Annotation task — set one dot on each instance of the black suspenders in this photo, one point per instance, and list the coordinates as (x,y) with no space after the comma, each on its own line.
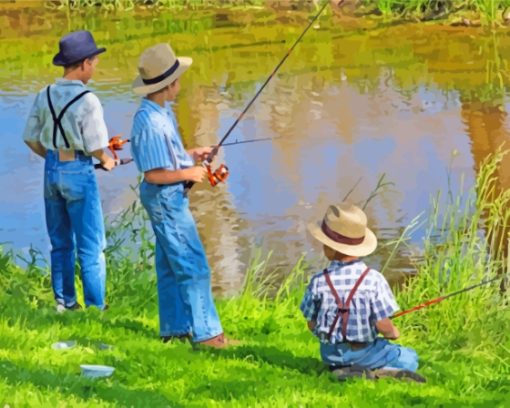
(57,120)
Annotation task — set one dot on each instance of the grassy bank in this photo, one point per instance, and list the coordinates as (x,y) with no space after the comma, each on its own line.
(463,343)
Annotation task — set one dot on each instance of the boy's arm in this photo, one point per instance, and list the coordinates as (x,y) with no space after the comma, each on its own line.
(106,161)
(164,176)
(37,148)
(387,329)
(310,305)
(94,131)
(383,305)
(33,130)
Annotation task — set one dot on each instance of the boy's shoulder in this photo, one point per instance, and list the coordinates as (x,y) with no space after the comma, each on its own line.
(347,272)
(149,117)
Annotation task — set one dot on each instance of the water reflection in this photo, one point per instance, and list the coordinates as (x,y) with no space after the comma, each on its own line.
(345,105)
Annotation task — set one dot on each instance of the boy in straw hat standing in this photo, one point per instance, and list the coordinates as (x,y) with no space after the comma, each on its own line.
(348,303)
(66,128)
(186,305)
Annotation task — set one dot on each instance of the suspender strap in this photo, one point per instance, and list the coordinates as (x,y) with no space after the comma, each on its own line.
(343,310)
(338,301)
(57,121)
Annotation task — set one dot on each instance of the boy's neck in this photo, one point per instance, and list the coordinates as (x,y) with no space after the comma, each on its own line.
(345,258)
(157,98)
(75,75)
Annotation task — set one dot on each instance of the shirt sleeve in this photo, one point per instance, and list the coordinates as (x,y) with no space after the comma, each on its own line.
(33,127)
(93,126)
(383,303)
(311,302)
(149,146)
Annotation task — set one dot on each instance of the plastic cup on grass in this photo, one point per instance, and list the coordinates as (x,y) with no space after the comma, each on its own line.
(64,345)
(96,371)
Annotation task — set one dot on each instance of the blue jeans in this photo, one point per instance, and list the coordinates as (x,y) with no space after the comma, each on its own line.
(74,218)
(381,353)
(186,304)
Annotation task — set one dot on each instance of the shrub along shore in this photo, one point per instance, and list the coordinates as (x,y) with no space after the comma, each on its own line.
(456,12)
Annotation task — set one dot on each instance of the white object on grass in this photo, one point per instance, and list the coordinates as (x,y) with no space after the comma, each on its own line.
(96,371)
(63,345)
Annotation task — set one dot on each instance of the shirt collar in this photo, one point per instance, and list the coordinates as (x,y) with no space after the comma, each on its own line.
(339,264)
(150,105)
(64,81)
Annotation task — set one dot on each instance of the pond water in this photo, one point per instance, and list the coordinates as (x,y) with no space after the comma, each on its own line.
(421,104)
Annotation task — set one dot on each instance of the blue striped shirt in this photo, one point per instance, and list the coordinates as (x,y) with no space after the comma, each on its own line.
(155,139)
(373,301)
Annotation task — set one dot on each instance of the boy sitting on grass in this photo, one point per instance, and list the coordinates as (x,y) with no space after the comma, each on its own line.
(348,304)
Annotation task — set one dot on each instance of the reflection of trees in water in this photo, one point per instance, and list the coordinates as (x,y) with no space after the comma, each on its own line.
(487,128)
(217,219)
(484,115)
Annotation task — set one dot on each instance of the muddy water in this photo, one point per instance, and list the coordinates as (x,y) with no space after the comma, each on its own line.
(412,102)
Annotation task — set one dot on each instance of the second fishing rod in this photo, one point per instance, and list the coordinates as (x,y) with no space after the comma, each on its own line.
(221,173)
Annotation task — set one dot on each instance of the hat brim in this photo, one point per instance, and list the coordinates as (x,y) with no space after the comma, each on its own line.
(140,88)
(59,61)
(365,248)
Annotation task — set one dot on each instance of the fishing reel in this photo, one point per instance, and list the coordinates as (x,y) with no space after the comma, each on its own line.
(116,143)
(218,176)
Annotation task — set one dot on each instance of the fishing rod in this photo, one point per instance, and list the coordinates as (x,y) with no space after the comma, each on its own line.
(118,162)
(221,173)
(441,298)
(264,139)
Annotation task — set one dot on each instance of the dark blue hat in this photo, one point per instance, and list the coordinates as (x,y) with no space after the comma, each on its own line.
(75,47)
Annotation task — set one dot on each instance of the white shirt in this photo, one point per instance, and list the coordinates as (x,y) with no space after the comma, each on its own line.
(83,122)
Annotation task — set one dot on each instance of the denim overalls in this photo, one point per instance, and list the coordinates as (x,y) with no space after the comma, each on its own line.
(186,303)
(74,217)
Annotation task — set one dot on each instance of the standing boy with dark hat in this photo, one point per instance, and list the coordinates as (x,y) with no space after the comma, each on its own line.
(348,304)
(186,304)
(66,127)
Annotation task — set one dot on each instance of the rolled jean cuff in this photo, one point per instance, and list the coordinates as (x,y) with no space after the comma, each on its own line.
(206,337)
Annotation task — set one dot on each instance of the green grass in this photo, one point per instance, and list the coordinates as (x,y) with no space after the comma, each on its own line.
(463,342)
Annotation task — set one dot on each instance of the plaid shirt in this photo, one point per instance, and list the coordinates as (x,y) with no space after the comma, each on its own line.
(373,301)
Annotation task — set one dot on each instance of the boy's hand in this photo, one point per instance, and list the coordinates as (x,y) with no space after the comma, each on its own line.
(387,329)
(394,335)
(195,174)
(201,153)
(109,163)
(311,324)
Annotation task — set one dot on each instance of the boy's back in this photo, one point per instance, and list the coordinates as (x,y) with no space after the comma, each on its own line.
(372,301)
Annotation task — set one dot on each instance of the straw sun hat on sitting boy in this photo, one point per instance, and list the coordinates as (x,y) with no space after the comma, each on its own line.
(158,67)
(344,229)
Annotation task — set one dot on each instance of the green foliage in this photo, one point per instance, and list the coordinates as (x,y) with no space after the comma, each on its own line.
(463,342)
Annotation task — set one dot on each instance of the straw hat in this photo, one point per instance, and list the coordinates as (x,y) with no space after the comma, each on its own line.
(158,67)
(344,229)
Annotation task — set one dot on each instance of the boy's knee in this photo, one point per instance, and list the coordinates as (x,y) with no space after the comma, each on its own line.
(408,359)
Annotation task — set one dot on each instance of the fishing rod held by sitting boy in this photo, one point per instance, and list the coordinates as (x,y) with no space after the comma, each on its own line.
(444,297)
